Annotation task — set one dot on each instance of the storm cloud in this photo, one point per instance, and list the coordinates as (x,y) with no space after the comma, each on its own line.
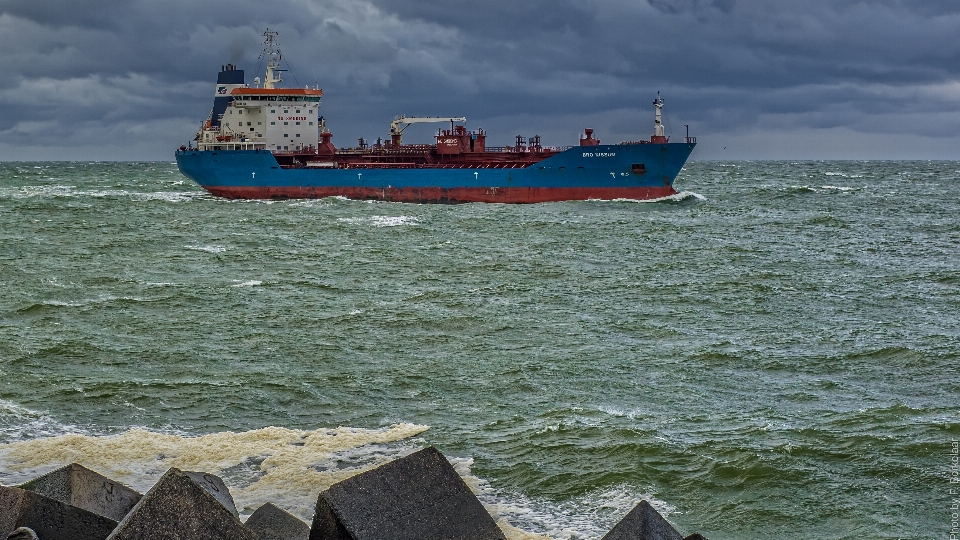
(133,79)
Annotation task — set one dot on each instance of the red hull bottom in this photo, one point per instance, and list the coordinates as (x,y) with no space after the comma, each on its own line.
(517,195)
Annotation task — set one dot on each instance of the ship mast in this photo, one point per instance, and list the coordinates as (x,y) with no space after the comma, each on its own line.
(658,122)
(273,59)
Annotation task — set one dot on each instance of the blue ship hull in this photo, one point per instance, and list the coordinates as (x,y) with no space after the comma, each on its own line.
(628,171)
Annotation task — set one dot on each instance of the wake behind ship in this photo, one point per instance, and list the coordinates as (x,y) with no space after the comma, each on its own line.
(265,142)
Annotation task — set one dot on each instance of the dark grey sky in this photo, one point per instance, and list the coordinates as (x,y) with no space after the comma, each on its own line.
(755,79)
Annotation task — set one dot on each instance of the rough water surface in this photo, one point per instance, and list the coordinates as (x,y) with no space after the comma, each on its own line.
(771,354)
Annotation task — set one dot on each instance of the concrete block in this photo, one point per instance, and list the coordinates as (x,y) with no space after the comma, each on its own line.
(418,497)
(643,523)
(23,533)
(273,523)
(180,508)
(78,486)
(215,486)
(48,518)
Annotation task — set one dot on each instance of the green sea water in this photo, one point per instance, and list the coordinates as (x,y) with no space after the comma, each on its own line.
(773,353)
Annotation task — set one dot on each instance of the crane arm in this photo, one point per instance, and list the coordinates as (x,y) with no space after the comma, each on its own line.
(396,130)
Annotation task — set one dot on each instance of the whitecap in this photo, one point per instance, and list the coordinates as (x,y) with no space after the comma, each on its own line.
(19,423)
(251,283)
(383,221)
(208,249)
(676,197)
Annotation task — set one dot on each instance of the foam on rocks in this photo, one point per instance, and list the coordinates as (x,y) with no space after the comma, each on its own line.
(50,519)
(78,486)
(645,523)
(181,507)
(273,523)
(418,497)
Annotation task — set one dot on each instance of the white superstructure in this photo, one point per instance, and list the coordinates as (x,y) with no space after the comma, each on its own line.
(267,118)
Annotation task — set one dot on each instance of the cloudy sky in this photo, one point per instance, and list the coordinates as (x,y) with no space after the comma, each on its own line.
(754,79)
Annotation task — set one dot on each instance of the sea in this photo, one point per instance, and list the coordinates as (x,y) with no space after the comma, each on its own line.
(774,352)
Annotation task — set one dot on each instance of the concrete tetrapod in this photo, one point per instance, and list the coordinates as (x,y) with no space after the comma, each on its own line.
(49,518)
(215,486)
(178,507)
(643,523)
(78,486)
(418,497)
(273,523)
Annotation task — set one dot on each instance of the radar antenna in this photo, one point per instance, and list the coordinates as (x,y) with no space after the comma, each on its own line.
(273,59)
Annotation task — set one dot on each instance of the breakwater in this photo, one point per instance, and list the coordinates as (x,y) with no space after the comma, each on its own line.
(417,497)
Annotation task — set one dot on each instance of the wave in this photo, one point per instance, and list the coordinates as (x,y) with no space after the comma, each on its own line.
(45,305)
(20,423)
(62,191)
(676,197)
(383,221)
(208,249)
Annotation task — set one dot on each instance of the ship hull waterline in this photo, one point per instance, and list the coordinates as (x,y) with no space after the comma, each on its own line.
(607,172)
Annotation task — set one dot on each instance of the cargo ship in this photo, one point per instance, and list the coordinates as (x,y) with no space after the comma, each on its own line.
(262,141)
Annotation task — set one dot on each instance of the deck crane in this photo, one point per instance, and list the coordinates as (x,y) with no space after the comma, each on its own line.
(396,132)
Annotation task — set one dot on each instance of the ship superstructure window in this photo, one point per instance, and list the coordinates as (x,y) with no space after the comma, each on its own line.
(298,134)
(273,111)
(240,111)
(286,111)
(311,123)
(273,123)
(286,123)
(298,123)
(298,111)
